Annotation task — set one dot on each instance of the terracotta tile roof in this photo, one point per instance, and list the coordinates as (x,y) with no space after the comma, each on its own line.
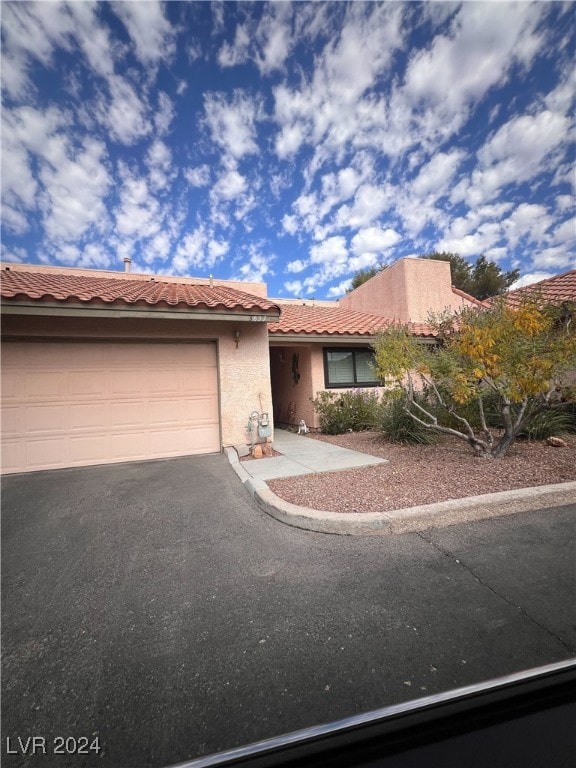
(62,287)
(553,290)
(334,321)
(469,298)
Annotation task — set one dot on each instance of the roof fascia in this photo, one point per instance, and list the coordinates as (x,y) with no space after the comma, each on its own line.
(281,339)
(79,310)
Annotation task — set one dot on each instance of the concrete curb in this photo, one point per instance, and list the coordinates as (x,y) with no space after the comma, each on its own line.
(405,520)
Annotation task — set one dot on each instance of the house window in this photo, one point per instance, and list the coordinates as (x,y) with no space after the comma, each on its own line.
(349,368)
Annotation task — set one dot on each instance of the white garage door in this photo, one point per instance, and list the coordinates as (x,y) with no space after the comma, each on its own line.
(75,404)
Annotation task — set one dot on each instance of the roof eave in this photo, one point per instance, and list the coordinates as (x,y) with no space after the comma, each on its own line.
(280,338)
(72,309)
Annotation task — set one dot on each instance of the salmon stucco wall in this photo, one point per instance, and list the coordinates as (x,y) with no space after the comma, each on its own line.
(293,402)
(407,291)
(244,372)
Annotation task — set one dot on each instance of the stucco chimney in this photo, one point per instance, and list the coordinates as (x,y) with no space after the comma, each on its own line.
(127,263)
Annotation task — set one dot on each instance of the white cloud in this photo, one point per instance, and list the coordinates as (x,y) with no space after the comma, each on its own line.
(331,251)
(369,203)
(126,116)
(33,31)
(233,54)
(159,247)
(296,266)
(95,256)
(74,191)
(199,249)
(217,249)
(434,177)
(554,258)
(374,240)
(333,108)
(530,279)
(14,255)
(229,186)
(565,203)
(274,37)
(444,81)
(164,114)
(527,220)
(564,232)
(149,30)
(138,215)
(232,123)
(295,287)
(71,180)
(336,291)
(517,152)
(257,266)
(14,220)
(475,244)
(198,176)
(290,223)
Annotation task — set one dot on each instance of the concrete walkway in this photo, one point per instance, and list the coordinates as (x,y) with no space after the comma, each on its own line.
(303,456)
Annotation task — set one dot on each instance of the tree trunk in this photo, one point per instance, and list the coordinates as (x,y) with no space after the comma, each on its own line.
(504,444)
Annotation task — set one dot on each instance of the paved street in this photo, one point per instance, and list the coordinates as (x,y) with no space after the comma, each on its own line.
(156,607)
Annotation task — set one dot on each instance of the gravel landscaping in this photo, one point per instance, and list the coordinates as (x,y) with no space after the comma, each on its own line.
(424,474)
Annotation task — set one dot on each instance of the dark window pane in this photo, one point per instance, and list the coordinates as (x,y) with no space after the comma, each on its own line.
(340,367)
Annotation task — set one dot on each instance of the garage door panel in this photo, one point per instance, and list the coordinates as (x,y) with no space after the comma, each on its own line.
(200,410)
(128,414)
(11,420)
(88,416)
(130,446)
(167,442)
(50,417)
(198,438)
(43,385)
(75,404)
(167,411)
(163,382)
(48,452)
(90,449)
(86,383)
(128,383)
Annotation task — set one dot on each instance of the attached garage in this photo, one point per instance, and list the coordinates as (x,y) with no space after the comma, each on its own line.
(70,404)
(99,370)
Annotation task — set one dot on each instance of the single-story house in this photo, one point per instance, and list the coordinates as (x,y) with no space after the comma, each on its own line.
(102,367)
(327,345)
(108,367)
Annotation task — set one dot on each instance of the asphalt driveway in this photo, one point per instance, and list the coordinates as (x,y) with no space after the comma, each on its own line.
(155,607)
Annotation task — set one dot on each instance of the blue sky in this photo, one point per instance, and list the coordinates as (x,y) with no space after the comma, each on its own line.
(290,143)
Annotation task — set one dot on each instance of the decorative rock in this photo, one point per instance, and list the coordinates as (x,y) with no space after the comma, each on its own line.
(242,450)
(257,452)
(556,442)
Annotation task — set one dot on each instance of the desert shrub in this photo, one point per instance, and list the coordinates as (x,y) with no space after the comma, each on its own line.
(347,411)
(398,426)
(555,420)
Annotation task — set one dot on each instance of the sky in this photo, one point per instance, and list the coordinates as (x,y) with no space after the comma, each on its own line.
(290,143)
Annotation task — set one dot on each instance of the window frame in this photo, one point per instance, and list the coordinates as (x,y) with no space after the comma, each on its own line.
(351,385)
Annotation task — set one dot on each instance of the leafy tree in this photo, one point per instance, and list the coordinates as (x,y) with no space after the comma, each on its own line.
(512,358)
(489,280)
(482,279)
